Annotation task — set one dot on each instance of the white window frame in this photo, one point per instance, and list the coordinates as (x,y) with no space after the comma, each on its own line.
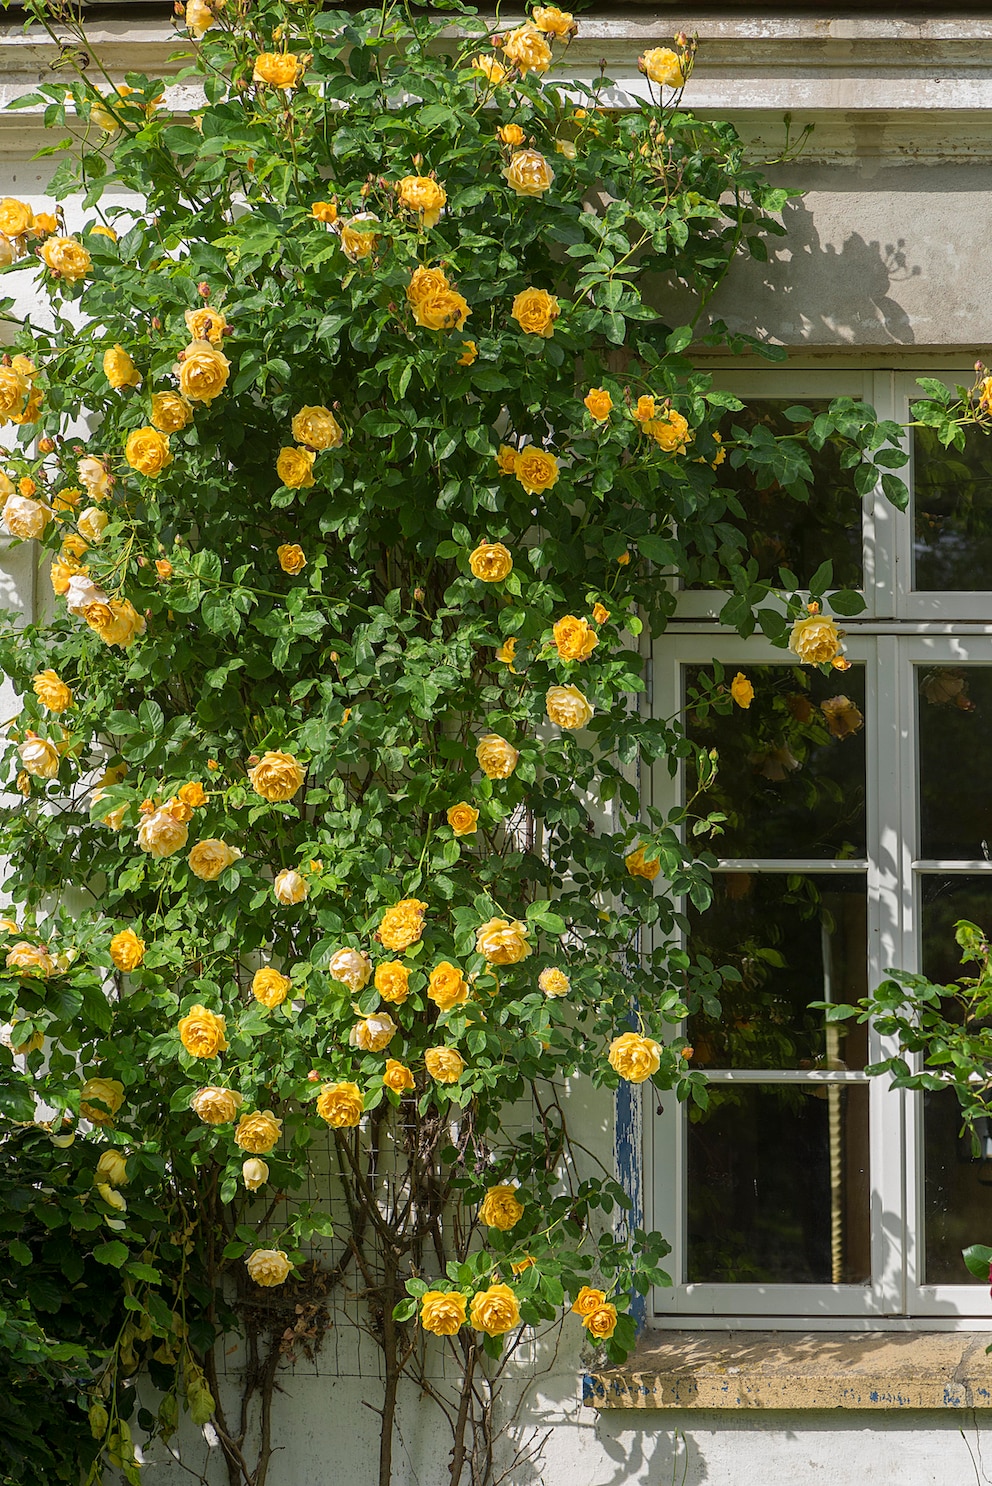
(899,632)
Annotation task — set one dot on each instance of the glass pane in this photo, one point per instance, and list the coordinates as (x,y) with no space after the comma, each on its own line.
(945,900)
(778,531)
(957,1190)
(791,778)
(952,512)
(794,940)
(955,729)
(778,1186)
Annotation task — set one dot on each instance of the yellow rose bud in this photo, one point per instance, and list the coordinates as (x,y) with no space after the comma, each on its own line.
(109,1096)
(599,402)
(442,1312)
(462,818)
(341,1105)
(402,925)
(495,1311)
(397,1077)
(112,1169)
(535,311)
(497,758)
(126,950)
(528,173)
(269,987)
(269,1267)
(201,1032)
(277,776)
(258,1132)
(421,194)
(554,982)
(634,1057)
(66,258)
(444,1064)
(210,858)
(290,888)
(324,211)
(254,1173)
(501,1208)
(52,693)
(392,981)
(295,468)
(147,451)
(277,69)
(170,412)
(536,469)
(203,372)
(600,614)
(574,639)
(663,67)
(568,708)
(318,428)
(527,49)
(216,1106)
(447,986)
(491,562)
(502,941)
(352,967)
(119,369)
(742,691)
(373,1033)
(511,134)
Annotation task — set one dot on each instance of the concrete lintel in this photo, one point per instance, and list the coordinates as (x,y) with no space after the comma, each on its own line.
(798,1370)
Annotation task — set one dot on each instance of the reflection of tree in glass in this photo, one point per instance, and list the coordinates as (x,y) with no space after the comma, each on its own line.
(952,512)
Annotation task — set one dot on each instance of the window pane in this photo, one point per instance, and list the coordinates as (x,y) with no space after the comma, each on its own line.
(778,531)
(945,900)
(955,731)
(778,1186)
(794,939)
(791,775)
(952,512)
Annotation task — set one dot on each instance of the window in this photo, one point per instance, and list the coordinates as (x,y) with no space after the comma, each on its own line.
(858,829)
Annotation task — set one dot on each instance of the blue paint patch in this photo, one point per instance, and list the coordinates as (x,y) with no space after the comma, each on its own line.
(628,1152)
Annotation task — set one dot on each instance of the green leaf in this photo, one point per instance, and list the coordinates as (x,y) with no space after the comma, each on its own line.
(978,1258)
(113,1253)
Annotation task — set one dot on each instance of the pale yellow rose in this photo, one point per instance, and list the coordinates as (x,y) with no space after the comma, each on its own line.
(258,1132)
(535,311)
(277,776)
(528,173)
(254,1173)
(419,193)
(93,474)
(462,818)
(497,758)
(30,958)
(575,639)
(198,17)
(109,1092)
(494,71)
(170,412)
(495,1311)
(352,967)
(536,469)
(447,986)
(442,1312)
(392,981)
(357,239)
(66,258)
(402,924)
(92,524)
(269,1267)
(640,866)
(269,987)
(373,1033)
(16,217)
(554,22)
(25,518)
(210,858)
(816,639)
(491,562)
(444,1064)
(425,283)
(119,369)
(527,49)
(113,1199)
(599,402)
(292,559)
(161,834)
(318,428)
(215,1106)
(554,982)
(147,451)
(663,67)
(52,693)
(203,372)
(634,1057)
(502,941)
(39,757)
(341,1105)
(289,887)
(277,69)
(202,1032)
(445,310)
(501,1208)
(126,950)
(295,468)
(111,1168)
(398,1077)
(568,708)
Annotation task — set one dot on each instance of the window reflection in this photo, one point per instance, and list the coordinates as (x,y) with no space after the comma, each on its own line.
(952,512)
(955,733)
(778,1186)
(791,778)
(792,939)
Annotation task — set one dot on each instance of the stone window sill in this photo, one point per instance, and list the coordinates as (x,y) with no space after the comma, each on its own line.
(798,1370)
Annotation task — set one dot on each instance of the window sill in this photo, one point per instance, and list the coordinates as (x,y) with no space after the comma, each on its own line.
(800,1370)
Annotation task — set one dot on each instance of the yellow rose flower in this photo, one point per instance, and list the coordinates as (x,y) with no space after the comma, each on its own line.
(493,70)
(25,518)
(501,1208)
(52,693)
(269,1267)
(201,1032)
(258,1132)
(511,134)
(470,353)
(491,562)
(161,834)
(14,390)
(147,451)
(277,69)
(392,981)
(192,794)
(93,474)
(210,858)
(324,211)
(535,311)
(600,613)
(445,310)
(203,372)
(206,324)
(66,258)
(110,1094)
(495,1311)
(637,866)
(277,776)
(502,941)
(198,17)
(290,888)
(318,428)
(554,982)
(419,193)
(402,925)
(816,639)
(295,468)
(575,639)
(31,959)
(497,758)
(269,987)
(111,1168)
(117,622)
(398,1077)
(357,240)
(425,283)
(215,1106)
(670,431)
(254,1173)
(126,950)
(741,690)
(588,1300)
(602,1322)
(507,653)
(99,230)
(634,1057)
(39,757)
(662,66)
(506,459)
(462,818)
(528,173)
(119,369)
(352,967)
(65,500)
(442,1311)
(554,22)
(645,409)
(341,1105)
(92,524)
(291,558)
(447,986)
(568,708)
(373,1033)
(527,49)
(536,469)
(16,217)
(842,717)
(599,402)
(444,1064)
(170,412)
(113,1199)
